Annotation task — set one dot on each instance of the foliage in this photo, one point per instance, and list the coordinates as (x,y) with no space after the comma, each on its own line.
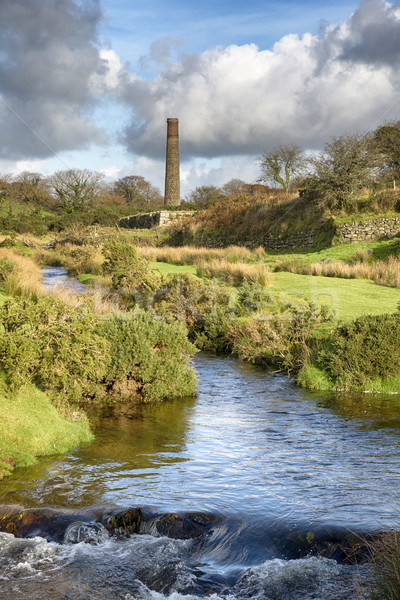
(387,143)
(246,219)
(206,307)
(137,191)
(150,358)
(75,188)
(253,297)
(342,171)
(205,196)
(280,339)
(53,346)
(74,355)
(363,350)
(281,165)
(129,271)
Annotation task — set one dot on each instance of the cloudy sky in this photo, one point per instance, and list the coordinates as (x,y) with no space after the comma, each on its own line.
(90,83)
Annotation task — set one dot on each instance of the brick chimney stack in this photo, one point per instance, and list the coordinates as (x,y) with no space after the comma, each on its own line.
(172,196)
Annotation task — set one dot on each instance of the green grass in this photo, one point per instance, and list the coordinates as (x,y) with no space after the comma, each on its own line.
(87,278)
(347,298)
(367,215)
(169,268)
(381,249)
(315,378)
(30,426)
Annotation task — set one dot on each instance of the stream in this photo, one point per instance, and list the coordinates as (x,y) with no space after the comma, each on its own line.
(269,466)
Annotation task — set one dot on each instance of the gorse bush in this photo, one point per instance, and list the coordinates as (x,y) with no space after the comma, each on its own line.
(53,346)
(150,358)
(280,339)
(129,272)
(206,308)
(75,356)
(363,350)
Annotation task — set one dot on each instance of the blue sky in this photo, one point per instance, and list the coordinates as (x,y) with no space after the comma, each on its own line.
(93,87)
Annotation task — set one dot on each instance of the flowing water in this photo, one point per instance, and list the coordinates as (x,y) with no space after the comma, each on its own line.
(270,466)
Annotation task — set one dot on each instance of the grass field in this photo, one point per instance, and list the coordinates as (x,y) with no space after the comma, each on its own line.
(170,268)
(347,298)
(381,249)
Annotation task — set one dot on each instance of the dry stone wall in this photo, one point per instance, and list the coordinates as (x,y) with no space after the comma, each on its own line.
(153,219)
(331,235)
(364,231)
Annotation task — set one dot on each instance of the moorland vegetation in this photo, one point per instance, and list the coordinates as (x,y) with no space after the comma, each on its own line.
(156,297)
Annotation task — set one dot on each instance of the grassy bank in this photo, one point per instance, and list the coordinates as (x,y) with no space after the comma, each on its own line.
(31,427)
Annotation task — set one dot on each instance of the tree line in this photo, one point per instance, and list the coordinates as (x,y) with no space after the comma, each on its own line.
(349,164)
(76,189)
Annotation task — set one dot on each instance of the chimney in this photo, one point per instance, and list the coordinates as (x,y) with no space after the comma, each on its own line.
(172,196)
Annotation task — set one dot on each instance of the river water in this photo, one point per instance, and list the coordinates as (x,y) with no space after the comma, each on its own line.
(268,464)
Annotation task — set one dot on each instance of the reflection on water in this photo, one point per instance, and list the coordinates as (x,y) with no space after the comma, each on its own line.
(58,278)
(272,461)
(251,444)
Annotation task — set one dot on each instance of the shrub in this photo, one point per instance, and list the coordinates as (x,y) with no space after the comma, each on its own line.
(75,356)
(128,270)
(53,346)
(253,297)
(279,339)
(204,306)
(363,350)
(149,358)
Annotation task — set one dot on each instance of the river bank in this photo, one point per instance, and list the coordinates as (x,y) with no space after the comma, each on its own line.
(273,471)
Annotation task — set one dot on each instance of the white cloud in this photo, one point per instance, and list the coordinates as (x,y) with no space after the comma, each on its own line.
(109,80)
(240,100)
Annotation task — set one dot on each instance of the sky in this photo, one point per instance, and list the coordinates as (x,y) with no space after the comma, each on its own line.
(90,83)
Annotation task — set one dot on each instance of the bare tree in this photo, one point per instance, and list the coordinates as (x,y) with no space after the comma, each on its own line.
(281,164)
(205,195)
(75,188)
(137,191)
(234,186)
(31,187)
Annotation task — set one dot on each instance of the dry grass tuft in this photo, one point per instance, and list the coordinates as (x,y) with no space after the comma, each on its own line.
(383,272)
(20,275)
(234,273)
(190,255)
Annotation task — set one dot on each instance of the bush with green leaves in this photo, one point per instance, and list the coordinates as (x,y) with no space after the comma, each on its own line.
(53,346)
(206,307)
(363,350)
(150,359)
(129,271)
(280,339)
(74,355)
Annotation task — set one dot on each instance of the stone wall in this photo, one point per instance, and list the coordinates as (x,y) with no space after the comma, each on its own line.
(291,241)
(331,235)
(364,231)
(153,219)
